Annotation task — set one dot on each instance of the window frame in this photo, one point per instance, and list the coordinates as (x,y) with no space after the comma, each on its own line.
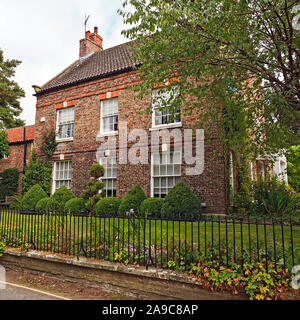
(155,107)
(54,178)
(102,132)
(58,138)
(174,176)
(113,178)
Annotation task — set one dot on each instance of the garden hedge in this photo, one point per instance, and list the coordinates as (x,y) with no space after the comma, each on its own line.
(32,197)
(75,205)
(153,206)
(108,206)
(42,204)
(181,201)
(59,198)
(132,200)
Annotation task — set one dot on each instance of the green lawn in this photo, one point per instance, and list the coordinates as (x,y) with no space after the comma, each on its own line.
(104,237)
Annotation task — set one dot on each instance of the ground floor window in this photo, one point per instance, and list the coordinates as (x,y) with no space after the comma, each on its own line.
(62,174)
(110,175)
(165,172)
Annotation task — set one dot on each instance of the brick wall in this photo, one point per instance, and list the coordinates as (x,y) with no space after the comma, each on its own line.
(210,186)
(16,158)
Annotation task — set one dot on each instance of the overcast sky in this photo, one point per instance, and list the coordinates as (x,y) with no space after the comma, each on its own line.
(45,36)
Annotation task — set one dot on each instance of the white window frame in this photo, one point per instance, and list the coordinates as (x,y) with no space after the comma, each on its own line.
(55,179)
(156,106)
(111,177)
(102,131)
(166,175)
(58,138)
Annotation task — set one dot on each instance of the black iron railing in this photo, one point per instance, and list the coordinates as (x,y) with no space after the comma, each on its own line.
(153,240)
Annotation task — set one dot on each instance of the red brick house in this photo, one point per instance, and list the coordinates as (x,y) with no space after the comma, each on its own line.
(20,146)
(88,101)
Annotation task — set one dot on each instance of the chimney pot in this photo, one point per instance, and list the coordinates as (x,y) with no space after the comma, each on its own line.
(91,42)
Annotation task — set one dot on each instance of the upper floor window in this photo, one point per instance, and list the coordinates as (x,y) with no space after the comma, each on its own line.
(109,116)
(161,115)
(65,123)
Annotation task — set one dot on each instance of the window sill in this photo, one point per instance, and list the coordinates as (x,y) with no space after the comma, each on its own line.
(64,140)
(166,126)
(107,134)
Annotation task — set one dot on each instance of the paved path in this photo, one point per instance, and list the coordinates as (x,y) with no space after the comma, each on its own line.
(12,291)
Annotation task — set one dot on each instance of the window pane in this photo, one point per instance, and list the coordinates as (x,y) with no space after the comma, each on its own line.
(164,172)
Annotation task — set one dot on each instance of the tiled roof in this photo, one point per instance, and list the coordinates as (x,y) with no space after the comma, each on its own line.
(100,64)
(17,134)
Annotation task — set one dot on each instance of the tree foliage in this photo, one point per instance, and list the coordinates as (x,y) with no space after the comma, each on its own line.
(9,182)
(237,66)
(37,172)
(4,144)
(293,167)
(10,93)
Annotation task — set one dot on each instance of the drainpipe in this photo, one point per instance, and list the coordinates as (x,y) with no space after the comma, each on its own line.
(25,149)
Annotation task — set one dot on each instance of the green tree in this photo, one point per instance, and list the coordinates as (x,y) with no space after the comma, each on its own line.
(37,172)
(293,167)
(9,182)
(10,93)
(237,64)
(4,144)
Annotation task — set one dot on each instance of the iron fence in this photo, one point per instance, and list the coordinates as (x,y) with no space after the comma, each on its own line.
(154,240)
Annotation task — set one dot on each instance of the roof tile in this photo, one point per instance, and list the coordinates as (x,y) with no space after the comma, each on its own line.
(17,134)
(99,64)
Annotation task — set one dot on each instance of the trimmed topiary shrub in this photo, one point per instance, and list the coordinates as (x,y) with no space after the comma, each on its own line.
(59,198)
(108,206)
(92,192)
(75,205)
(153,206)
(42,204)
(32,196)
(132,200)
(181,201)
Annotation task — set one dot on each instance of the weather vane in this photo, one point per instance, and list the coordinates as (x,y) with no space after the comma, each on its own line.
(85,22)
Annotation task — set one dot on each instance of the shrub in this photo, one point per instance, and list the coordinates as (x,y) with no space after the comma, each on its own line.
(59,198)
(273,198)
(152,205)
(75,205)
(9,182)
(92,192)
(37,172)
(132,200)
(32,196)
(16,201)
(42,204)
(108,206)
(181,201)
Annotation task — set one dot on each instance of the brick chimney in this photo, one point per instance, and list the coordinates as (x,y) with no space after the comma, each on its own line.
(91,42)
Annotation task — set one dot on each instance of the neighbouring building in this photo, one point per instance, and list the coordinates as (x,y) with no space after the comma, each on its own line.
(20,146)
